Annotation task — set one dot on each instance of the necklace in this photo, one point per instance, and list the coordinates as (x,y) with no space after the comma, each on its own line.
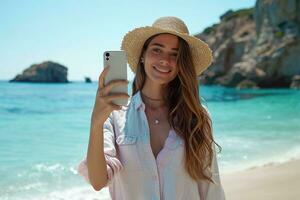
(152,98)
(156,118)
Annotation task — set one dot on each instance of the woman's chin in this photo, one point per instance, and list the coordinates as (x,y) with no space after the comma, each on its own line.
(160,80)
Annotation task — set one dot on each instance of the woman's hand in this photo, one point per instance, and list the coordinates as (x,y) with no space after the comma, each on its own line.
(103,104)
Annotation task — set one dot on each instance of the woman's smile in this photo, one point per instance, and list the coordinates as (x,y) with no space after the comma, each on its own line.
(162,70)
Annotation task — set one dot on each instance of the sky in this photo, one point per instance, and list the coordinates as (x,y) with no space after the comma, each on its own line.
(76,33)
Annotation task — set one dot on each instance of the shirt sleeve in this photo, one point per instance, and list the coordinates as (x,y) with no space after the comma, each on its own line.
(211,191)
(113,164)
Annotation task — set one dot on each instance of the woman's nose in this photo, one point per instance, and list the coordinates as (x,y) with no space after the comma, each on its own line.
(165,60)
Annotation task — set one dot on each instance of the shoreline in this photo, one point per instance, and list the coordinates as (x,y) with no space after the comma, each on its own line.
(272,181)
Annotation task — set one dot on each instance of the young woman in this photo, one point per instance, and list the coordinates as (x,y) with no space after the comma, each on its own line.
(161,145)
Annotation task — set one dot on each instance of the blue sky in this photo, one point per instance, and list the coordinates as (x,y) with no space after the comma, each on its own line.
(76,33)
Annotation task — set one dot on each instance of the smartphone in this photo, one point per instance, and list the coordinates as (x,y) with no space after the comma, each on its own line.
(117,62)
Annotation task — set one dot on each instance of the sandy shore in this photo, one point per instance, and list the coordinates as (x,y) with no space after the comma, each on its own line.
(271,182)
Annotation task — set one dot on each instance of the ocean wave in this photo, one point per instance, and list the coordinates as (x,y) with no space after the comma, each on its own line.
(287,156)
(20,110)
(49,168)
(42,171)
(78,193)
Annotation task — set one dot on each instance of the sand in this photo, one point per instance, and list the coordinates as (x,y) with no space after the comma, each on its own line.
(271,182)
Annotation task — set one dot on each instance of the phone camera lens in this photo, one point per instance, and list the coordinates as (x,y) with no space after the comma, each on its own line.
(107,58)
(107,54)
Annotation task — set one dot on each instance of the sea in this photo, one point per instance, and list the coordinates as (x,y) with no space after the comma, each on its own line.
(44,132)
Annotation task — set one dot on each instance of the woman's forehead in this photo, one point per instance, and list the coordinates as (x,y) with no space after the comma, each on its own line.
(165,40)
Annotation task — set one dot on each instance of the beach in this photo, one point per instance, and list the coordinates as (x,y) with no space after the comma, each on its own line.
(244,56)
(269,182)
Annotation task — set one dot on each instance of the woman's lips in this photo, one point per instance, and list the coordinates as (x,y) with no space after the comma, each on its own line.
(161,70)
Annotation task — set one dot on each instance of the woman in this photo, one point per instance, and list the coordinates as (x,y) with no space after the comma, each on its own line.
(161,145)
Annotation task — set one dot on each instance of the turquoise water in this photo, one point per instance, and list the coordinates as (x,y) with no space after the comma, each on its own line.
(44,130)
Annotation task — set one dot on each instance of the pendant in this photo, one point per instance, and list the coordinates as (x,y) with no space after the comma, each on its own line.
(156,121)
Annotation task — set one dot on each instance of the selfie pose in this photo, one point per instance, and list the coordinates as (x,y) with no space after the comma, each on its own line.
(160,146)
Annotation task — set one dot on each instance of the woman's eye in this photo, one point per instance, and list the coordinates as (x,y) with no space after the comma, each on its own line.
(174,56)
(156,50)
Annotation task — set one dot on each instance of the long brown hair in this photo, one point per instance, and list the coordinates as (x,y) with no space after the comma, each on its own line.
(186,115)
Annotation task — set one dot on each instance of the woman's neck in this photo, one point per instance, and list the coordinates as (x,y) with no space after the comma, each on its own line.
(153,95)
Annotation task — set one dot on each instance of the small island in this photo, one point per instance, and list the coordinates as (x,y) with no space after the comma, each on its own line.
(87,79)
(46,72)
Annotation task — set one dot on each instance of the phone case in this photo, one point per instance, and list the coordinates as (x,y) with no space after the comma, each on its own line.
(118,71)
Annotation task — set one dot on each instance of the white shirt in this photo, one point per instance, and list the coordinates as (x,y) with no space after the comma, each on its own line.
(133,171)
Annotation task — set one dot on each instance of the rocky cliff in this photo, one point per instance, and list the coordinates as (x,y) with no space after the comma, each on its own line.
(47,72)
(257,47)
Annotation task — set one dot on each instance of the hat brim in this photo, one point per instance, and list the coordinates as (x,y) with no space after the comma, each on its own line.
(134,40)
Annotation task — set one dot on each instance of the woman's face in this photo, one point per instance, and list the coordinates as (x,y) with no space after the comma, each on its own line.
(160,59)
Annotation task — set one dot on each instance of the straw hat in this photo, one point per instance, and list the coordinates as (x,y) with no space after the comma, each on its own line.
(134,40)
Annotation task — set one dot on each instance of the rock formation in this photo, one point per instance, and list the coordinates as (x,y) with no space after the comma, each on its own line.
(46,72)
(255,47)
(87,79)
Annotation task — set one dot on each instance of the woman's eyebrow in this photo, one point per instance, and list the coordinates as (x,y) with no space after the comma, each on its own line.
(161,45)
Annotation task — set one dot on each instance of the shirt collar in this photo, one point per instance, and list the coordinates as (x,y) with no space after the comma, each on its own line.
(137,101)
